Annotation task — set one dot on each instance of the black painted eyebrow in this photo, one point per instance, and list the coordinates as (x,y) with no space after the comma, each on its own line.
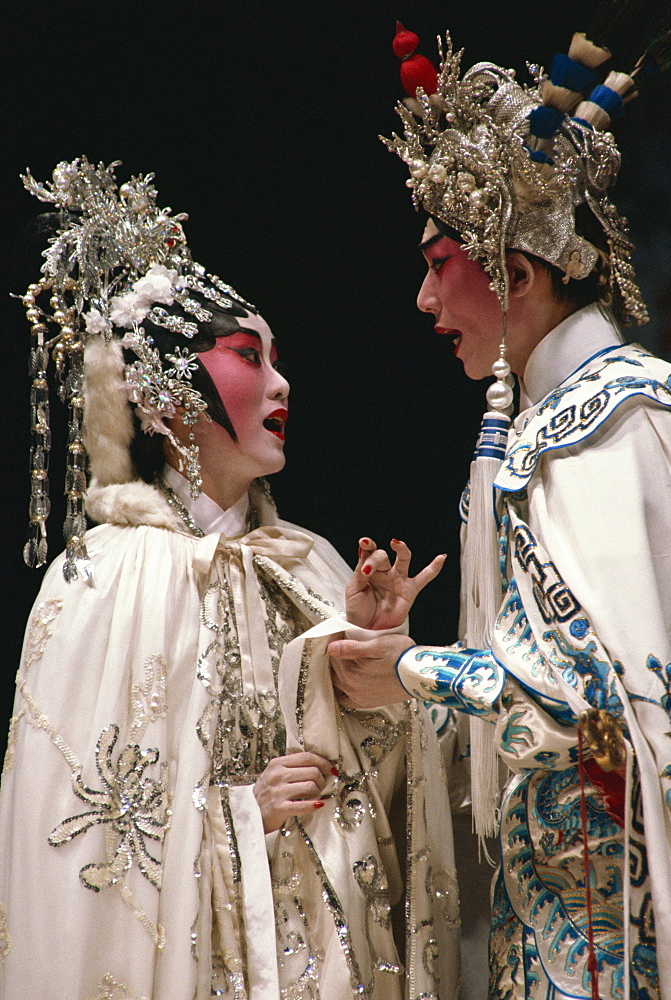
(431,240)
(254,333)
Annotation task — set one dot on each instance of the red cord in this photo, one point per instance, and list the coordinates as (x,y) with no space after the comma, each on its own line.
(592,966)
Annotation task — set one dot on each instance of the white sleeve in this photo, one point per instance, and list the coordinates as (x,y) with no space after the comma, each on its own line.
(602,510)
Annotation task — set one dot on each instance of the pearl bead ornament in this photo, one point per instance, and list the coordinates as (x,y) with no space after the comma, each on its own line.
(500,393)
(437,173)
(499,396)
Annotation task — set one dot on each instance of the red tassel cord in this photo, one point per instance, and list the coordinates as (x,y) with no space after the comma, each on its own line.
(592,966)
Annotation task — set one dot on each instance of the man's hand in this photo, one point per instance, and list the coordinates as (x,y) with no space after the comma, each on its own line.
(291,786)
(380,595)
(364,673)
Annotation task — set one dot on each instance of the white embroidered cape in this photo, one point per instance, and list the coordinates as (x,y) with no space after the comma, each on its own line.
(133,862)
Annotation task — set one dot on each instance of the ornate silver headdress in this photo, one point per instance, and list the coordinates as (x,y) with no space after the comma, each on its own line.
(116,261)
(506,165)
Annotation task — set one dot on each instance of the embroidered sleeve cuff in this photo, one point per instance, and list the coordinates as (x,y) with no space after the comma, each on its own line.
(468,680)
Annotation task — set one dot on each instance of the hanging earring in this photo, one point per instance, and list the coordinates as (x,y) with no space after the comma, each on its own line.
(500,393)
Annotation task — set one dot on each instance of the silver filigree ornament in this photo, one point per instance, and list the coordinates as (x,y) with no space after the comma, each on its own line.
(470,155)
(116,260)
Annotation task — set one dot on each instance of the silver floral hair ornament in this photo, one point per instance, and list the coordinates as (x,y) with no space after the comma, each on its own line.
(116,261)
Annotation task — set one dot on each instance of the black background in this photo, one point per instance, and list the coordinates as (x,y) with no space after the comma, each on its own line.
(260,120)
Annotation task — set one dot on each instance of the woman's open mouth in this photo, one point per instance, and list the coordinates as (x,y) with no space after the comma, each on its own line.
(455,334)
(275,422)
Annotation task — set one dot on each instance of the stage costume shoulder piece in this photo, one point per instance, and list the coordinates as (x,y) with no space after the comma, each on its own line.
(583,507)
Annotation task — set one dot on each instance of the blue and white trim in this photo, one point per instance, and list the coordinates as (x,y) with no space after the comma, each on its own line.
(468,680)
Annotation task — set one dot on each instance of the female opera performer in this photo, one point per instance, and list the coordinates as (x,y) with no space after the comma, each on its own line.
(185,811)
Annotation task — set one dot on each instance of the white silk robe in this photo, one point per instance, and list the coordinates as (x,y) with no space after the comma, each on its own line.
(133,863)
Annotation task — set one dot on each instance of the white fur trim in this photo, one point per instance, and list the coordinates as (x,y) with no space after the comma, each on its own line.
(131,504)
(108,420)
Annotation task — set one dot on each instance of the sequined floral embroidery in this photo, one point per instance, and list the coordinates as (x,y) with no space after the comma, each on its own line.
(384,738)
(5,939)
(10,753)
(39,630)
(442,887)
(110,989)
(134,806)
(372,881)
(299,962)
(148,701)
(242,732)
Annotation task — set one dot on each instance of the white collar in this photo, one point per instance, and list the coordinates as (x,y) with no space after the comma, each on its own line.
(564,350)
(207,514)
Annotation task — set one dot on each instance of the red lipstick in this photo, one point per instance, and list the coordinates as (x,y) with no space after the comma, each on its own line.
(275,422)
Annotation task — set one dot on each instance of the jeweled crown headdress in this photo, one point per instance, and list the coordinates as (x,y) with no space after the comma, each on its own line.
(116,261)
(507,165)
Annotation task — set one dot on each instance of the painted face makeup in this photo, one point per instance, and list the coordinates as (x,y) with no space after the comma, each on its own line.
(456,290)
(254,393)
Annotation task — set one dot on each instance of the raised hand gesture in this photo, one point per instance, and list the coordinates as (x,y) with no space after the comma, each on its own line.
(379,594)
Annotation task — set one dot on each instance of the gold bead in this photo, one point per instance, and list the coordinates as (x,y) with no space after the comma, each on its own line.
(58,316)
(33,315)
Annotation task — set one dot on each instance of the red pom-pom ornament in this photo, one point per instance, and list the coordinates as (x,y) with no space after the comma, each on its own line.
(416,70)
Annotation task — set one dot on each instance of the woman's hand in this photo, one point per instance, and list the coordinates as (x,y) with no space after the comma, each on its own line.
(291,786)
(380,595)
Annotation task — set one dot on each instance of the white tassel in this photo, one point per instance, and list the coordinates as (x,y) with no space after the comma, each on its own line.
(485,787)
(483,594)
(482,586)
(481,558)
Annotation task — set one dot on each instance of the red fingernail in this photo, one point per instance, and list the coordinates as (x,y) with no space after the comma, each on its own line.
(395,541)
(367,570)
(318,805)
(335,772)
(366,541)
